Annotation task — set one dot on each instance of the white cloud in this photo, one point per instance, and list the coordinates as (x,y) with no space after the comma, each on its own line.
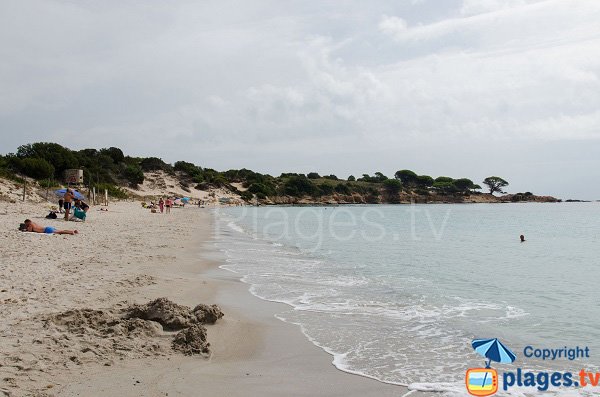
(393,26)
(474,7)
(277,85)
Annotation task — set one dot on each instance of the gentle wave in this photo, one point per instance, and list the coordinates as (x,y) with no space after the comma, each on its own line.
(375,320)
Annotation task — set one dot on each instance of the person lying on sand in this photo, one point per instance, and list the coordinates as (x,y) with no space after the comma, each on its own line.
(29,226)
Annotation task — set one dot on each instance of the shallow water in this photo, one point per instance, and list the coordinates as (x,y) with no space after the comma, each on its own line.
(398,292)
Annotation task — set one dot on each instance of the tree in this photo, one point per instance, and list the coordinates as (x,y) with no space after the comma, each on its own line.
(351,178)
(190,169)
(444,187)
(58,156)
(392,186)
(153,164)
(37,168)
(299,186)
(443,179)
(407,177)
(495,184)
(424,181)
(313,175)
(380,177)
(114,153)
(463,184)
(134,175)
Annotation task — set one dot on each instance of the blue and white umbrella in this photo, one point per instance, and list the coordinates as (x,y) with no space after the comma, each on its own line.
(493,350)
(76,194)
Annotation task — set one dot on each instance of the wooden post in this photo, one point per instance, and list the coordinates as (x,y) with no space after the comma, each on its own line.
(94,195)
(106,197)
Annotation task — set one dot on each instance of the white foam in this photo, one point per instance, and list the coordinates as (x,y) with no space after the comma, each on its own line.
(232,225)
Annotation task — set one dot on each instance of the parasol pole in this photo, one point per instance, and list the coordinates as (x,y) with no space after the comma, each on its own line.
(487,365)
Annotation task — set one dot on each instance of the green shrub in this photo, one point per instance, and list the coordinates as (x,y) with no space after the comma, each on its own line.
(154,164)
(246,196)
(190,169)
(134,175)
(298,186)
(113,191)
(49,183)
(60,157)
(114,153)
(343,188)
(36,168)
(326,189)
(265,190)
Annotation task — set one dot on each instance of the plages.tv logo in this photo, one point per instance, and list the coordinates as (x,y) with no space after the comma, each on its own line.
(484,381)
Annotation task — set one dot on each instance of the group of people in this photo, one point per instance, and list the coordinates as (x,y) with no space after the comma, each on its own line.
(162,205)
(67,203)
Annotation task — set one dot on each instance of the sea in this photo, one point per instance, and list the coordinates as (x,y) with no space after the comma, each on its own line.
(398,292)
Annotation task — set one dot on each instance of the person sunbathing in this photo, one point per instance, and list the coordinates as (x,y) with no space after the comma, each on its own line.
(33,227)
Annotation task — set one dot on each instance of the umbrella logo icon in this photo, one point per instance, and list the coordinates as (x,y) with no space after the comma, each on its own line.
(484,381)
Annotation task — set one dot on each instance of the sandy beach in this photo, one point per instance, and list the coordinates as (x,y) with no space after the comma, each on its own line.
(129,256)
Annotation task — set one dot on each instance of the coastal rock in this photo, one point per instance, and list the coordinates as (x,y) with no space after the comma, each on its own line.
(206,314)
(192,340)
(170,315)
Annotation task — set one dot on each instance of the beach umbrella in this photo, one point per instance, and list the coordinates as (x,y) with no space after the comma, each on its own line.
(493,350)
(61,192)
(185,199)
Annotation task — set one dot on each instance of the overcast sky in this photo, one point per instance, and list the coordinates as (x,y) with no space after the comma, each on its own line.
(462,88)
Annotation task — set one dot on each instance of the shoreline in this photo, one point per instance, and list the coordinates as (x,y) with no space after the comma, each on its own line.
(253,352)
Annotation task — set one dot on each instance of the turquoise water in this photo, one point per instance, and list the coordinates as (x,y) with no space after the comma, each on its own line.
(398,292)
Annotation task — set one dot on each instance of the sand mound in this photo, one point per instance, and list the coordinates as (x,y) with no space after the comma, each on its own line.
(101,323)
(85,335)
(170,315)
(206,314)
(174,317)
(192,340)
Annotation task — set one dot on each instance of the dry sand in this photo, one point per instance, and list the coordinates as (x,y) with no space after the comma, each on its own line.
(125,256)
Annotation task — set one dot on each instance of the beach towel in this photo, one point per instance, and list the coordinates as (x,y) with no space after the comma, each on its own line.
(79,214)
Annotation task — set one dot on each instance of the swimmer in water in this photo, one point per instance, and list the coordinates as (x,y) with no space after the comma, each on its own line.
(522,238)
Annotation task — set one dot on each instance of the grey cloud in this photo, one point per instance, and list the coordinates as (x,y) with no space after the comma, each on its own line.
(363,87)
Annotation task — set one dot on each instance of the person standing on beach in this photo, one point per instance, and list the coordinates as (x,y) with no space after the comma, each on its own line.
(68,198)
(168,204)
(161,205)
